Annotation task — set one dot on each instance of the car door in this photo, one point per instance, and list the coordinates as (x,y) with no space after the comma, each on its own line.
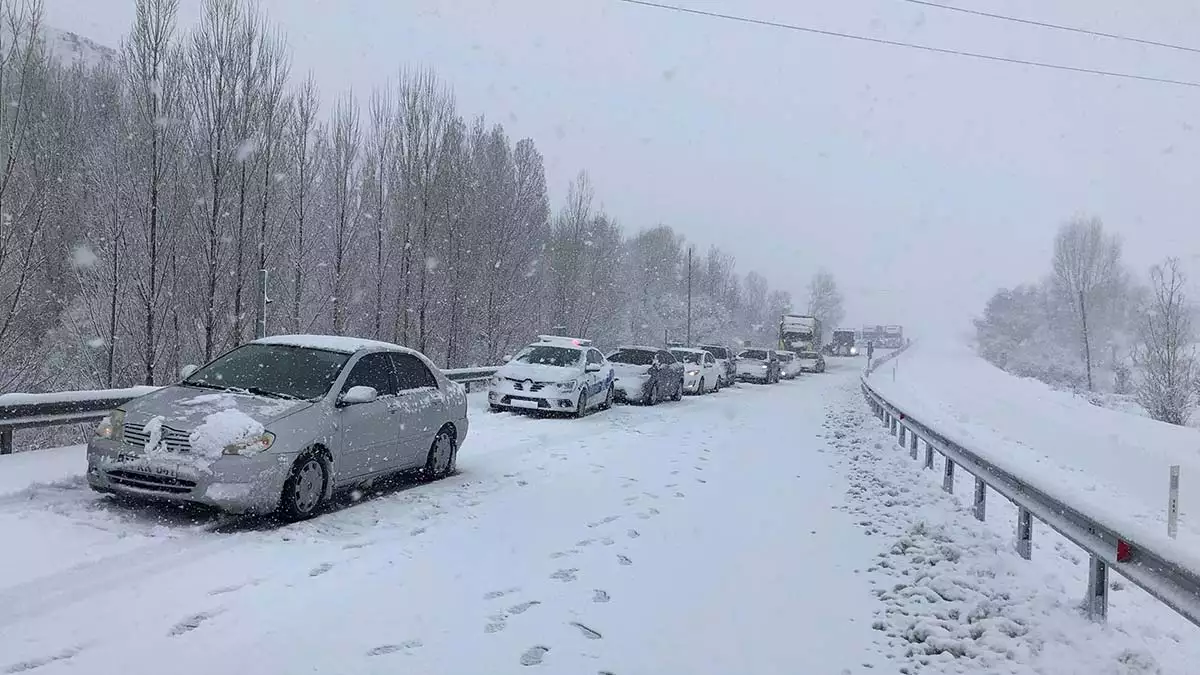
(369,431)
(710,370)
(423,408)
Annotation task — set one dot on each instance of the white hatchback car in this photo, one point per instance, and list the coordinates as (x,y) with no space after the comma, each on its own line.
(554,374)
(789,364)
(701,372)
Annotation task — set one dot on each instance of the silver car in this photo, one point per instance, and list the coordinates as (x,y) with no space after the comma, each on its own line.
(278,424)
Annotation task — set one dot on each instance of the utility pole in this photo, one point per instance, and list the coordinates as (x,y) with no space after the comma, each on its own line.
(689,298)
(263,301)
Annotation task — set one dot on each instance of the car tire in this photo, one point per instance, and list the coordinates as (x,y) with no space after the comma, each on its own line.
(608,398)
(580,406)
(678,395)
(443,455)
(305,489)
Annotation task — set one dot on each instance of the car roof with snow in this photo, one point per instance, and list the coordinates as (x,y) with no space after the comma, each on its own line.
(331,343)
(643,348)
(562,341)
(688,350)
(784,351)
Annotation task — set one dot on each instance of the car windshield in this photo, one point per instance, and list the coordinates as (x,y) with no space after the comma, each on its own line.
(278,371)
(808,355)
(686,357)
(717,352)
(545,355)
(785,357)
(633,357)
(756,354)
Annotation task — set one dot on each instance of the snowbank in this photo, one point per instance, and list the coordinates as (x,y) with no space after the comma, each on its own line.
(1112,465)
(221,429)
(15,399)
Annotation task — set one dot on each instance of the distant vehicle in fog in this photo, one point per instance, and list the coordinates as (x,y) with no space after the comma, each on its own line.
(758,365)
(843,343)
(700,371)
(811,362)
(725,359)
(789,367)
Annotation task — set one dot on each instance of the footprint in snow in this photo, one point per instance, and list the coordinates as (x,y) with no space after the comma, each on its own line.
(492,595)
(587,632)
(320,569)
(624,560)
(565,575)
(585,542)
(633,534)
(600,596)
(607,541)
(603,521)
(392,649)
(191,623)
(534,655)
(523,607)
(495,627)
(31,664)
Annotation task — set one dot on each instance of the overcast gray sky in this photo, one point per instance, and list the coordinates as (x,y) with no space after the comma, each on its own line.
(922,181)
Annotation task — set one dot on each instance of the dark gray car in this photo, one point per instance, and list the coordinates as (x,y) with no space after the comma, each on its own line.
(646,375)
(279,423)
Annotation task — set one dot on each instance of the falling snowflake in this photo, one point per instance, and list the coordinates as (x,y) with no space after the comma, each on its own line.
(246,149)
(83,257)
(96,343)
(431,263)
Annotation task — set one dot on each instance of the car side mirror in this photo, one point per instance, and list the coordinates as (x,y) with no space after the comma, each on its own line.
(186,371)
(507,357)
(592,368)
(357,395)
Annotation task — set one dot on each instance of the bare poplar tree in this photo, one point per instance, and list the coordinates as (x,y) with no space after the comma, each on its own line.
(274,66)
(306,154)
(1166,351)
(1087,272)
(345,143)
(825,302)
(382,156)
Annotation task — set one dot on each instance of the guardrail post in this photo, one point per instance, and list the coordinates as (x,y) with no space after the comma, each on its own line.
(5,441)
(1096,602)
(928,456)
(980,499)
(1173,502)
(913,450)
(903,437)
(1024,532)
(948,476)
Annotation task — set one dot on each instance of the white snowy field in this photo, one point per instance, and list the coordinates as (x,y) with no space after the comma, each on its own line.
(759,530)
(1113,465)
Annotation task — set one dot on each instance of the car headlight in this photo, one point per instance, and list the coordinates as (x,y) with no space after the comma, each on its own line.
(566,386)
(251,446)
(763,366)
(693,373)
(112,427)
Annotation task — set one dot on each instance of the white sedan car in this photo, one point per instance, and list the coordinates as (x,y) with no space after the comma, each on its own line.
(701,372)
(554,374)
(789,364)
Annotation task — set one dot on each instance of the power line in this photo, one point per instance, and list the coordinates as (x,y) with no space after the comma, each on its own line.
(910,45)
(1055,26)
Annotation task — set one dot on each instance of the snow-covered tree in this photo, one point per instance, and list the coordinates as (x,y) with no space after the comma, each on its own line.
(1166,352)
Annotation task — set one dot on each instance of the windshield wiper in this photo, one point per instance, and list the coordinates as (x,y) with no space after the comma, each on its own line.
(204,385)
(257,391)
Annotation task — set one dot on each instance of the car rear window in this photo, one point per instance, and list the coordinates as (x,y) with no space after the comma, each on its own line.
(718,352)
(756,354)
(686,357)
(549,356)
(633,357)
(808,355)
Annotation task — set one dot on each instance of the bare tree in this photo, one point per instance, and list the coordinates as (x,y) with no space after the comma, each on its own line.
(1087,273)
(274,66)
(381,155)
(155,97)
(1166,352)
(346,141)
(825,302)
(307,157)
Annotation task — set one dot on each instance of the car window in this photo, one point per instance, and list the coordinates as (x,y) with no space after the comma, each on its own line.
(273,370)
(666,357)
(718,352)
(633,357)
(373,370)
(594,356)
(411,372)
(549,356)
(708,358)
(756,354)
(687,357)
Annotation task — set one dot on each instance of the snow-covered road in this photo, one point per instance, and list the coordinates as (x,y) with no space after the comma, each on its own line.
(760,530)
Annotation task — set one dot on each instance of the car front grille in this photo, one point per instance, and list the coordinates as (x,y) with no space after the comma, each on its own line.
(176,440)
(150,481)
(526,385)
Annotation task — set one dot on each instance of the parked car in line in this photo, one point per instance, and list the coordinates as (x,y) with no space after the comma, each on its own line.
(554,374)
(758,365)
(701,374)
(789,366)
(279,423)
(811,362)
(724,357)
(646,375)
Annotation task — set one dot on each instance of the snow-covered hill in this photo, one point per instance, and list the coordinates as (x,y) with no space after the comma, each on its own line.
(70,48)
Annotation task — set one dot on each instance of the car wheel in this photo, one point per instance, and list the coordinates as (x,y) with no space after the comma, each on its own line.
(442,456)
(304,490)
(608,398)
(678,395)
(581,405)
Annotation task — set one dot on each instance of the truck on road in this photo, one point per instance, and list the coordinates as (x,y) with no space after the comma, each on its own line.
(843,343)
(799,333)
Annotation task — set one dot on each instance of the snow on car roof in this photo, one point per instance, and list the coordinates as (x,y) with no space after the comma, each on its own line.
(691,350)
(641,347)
(563,341)
(332,343)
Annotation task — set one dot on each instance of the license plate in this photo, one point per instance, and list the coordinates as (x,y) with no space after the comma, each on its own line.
(517,403)
(155,470)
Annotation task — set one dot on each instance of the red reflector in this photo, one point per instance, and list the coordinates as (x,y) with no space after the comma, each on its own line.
(1124,551)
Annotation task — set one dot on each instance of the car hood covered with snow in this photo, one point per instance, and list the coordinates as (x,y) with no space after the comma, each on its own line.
(539,372)
(187,408)
(629,370)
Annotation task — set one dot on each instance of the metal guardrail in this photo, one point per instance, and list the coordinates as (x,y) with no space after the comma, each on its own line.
(1169,582)
(27,411)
